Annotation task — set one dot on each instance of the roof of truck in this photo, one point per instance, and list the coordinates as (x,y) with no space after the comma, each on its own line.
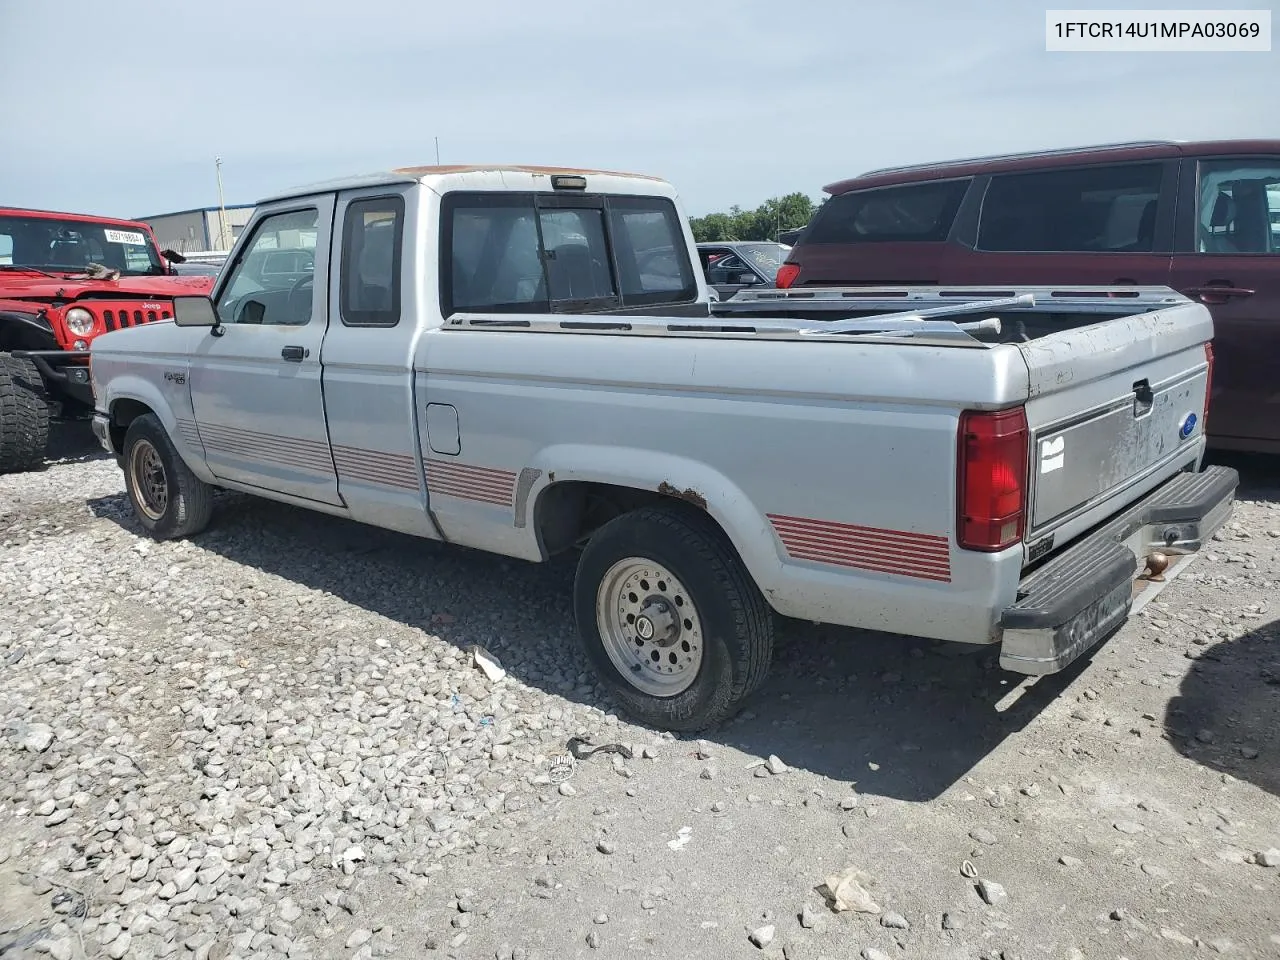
(1042,159)
(476,176)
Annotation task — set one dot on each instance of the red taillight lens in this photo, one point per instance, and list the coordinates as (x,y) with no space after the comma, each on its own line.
(991,478)
(1208,385)
(788,273)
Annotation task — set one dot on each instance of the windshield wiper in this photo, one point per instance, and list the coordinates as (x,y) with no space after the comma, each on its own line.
(15,267)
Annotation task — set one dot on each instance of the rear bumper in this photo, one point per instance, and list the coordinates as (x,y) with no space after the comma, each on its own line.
(1082,595)
(65,372)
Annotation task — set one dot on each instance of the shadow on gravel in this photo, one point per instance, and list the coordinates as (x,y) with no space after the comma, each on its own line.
(1259,473)
(837,700)
(72,441)
(1227,713)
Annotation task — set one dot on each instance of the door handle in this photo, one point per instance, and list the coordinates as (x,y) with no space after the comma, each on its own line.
(1218,293)
(296,354)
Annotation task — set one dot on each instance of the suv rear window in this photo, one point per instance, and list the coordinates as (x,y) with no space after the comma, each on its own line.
(1110,208)
(918,211)
(540,253)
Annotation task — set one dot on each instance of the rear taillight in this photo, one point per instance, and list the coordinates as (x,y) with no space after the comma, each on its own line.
(991,478)
(788,273)
(1208,385)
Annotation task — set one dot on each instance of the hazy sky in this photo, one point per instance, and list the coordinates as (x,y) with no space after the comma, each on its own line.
(120,108)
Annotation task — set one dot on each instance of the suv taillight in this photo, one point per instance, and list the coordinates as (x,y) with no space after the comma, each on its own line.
(788,273)
(1208,385)
(991,478)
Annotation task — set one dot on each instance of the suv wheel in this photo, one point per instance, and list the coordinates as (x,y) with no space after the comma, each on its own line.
(671,619)
(24,416)
(168,499)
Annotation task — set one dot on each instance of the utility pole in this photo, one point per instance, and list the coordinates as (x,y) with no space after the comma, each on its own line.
(222,208)
(437,151)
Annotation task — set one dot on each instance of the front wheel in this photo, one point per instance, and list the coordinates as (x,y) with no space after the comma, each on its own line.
(671,619)
(168,499)
(24,416)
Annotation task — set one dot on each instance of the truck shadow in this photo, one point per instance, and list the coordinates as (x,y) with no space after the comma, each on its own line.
(72,441)
(837,700)
(1226,715)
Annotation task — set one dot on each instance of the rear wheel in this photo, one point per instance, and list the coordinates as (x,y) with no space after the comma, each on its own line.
(168,499)
(671,619)
(24,416)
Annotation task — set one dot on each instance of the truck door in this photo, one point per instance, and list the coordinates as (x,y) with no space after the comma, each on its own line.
(368,358)
(256,389)
(1231,262)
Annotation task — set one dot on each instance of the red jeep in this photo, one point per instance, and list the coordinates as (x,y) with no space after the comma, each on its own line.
(64,279)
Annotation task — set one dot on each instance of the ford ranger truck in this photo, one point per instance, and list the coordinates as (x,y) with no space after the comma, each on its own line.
(64,280)
(522,360)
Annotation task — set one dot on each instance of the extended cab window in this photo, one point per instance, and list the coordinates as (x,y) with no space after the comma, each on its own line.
(372,238)
(1239,210)
(918,211)
(534,253)
(1087,209)
(272,279)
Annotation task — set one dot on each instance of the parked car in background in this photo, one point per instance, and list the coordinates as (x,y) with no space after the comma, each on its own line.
(65,278)
(734,265)
(1200,217)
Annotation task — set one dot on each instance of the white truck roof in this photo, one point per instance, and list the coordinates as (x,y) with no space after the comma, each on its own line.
(495,176)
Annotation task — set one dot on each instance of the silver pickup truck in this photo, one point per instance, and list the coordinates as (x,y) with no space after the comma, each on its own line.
(523,360)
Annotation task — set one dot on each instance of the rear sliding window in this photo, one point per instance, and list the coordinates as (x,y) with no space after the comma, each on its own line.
(539,253)
(1104,208)
(919,212)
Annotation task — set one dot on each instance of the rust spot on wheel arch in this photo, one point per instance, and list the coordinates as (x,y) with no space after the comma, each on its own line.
(688,494)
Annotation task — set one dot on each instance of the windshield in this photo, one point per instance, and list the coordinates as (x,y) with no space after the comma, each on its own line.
(765,257)
(69,246)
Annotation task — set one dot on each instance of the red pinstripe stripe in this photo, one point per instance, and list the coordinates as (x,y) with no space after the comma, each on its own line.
(482,484)
(373,466)
(898,552)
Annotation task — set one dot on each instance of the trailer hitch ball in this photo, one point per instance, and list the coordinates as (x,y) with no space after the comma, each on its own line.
(1157,563)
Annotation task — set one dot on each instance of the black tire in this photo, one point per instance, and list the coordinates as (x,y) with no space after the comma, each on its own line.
(24,416)
(737,624)
(187,502)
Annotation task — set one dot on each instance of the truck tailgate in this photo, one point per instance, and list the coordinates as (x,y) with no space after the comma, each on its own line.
(1114,408)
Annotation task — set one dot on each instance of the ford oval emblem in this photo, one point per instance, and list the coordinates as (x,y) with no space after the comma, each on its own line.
(1188,426)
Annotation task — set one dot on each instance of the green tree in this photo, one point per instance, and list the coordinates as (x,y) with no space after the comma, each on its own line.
(763,223)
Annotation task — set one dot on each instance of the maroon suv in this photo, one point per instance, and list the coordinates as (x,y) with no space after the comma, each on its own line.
(1202,218)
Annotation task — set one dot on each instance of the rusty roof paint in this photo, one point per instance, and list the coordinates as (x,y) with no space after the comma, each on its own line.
(512,168)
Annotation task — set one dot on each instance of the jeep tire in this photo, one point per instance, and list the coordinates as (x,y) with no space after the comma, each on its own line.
(671,619)
(24,416)
(168,499)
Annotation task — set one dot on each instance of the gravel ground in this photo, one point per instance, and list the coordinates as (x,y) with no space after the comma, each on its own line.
(273,741)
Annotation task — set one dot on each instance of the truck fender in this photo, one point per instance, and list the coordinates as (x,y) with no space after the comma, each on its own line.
(674,476)
(131,387)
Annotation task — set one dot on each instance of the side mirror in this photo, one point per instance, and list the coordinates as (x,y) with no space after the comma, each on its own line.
(173,256)
(746,278)
(195,312)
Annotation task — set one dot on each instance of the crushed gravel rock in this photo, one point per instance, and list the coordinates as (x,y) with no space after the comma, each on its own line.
(274,741)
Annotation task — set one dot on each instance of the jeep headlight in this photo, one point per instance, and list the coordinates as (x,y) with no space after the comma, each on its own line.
(79,321)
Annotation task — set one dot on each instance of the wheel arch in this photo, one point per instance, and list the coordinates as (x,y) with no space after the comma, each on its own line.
(590,486)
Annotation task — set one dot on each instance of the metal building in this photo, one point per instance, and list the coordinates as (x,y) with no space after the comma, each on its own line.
(201,229)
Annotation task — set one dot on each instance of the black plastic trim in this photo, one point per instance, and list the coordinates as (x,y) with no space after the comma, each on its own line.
(1096,565)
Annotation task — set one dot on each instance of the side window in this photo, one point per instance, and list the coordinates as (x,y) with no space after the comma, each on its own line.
(273,277)
(1239,208)
(918,211)
(653,263)
(372,240)
(722,269)
(1087,209)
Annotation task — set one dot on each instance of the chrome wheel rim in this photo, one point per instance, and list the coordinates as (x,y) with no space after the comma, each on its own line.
(147,477)
(649,626)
